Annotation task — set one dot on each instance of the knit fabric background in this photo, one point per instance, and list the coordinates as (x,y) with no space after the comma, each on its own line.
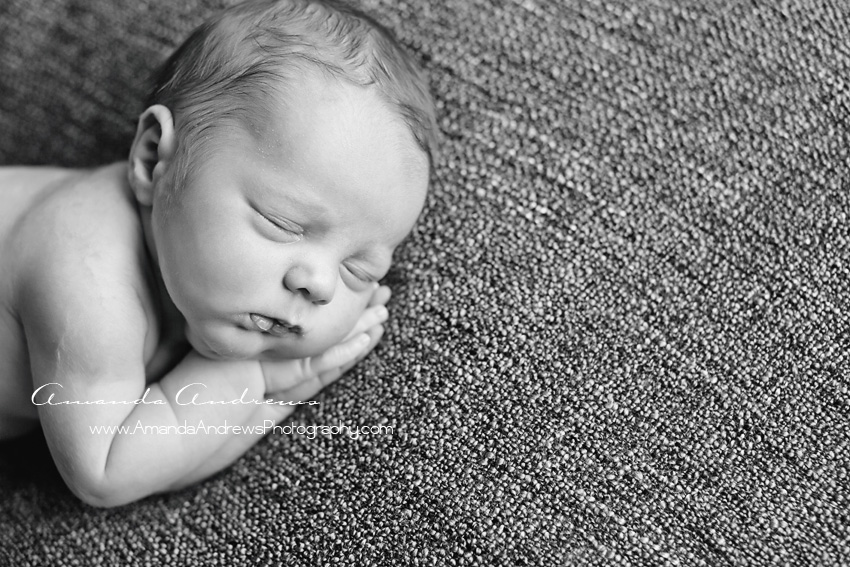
(619,335)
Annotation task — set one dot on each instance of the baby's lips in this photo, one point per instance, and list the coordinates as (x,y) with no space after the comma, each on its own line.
(264,323)
(275,327)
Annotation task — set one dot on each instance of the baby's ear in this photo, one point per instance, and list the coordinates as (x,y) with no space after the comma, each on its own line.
(153,149)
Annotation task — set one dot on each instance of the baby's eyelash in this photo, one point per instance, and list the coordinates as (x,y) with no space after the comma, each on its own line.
(360,275)
(282,225)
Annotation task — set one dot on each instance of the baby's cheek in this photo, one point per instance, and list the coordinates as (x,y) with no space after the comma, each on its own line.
(336,320)
(355,306)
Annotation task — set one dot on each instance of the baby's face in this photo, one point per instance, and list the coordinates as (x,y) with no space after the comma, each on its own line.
(273,248)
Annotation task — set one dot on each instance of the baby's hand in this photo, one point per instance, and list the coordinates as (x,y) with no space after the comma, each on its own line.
(303,378)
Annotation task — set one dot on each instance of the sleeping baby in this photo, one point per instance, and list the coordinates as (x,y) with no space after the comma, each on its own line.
(229,269)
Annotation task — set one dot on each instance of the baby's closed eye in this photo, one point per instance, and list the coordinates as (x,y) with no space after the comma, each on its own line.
(360,273)
(356,277)
(280,229)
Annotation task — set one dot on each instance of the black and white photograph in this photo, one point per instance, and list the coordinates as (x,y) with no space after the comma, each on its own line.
(316,283)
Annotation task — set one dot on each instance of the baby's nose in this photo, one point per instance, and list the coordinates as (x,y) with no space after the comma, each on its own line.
(317,283)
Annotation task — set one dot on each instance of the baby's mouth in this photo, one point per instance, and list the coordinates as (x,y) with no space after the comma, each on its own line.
(274,326)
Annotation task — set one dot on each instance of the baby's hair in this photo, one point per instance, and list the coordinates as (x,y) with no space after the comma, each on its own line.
(231,66)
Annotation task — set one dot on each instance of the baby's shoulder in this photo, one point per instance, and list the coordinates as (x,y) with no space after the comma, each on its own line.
(73,271)
(82,229)
(75,209)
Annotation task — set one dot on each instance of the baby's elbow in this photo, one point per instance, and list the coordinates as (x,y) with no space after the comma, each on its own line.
(100,493)
(101,499)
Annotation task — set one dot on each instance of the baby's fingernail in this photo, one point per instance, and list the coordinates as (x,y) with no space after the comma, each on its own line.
(362,340)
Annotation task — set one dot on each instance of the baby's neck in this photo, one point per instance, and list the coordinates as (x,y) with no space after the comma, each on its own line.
(172,324)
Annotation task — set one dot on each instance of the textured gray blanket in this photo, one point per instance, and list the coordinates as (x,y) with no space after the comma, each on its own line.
(619,336)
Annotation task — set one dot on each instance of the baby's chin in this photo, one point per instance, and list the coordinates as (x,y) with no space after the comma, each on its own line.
(243,348)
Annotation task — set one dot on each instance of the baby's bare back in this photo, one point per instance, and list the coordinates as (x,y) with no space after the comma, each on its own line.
(37,202)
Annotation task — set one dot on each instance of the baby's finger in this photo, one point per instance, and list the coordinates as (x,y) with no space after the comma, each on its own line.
(336,356)
(369,318)
(380,296)
(375,334)
(285,374)
(308,389)
(311,387)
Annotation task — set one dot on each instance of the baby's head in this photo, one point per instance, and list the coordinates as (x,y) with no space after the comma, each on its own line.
(284,155)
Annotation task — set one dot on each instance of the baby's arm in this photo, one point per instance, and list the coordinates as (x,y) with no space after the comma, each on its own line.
(300,380)
(92,345)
